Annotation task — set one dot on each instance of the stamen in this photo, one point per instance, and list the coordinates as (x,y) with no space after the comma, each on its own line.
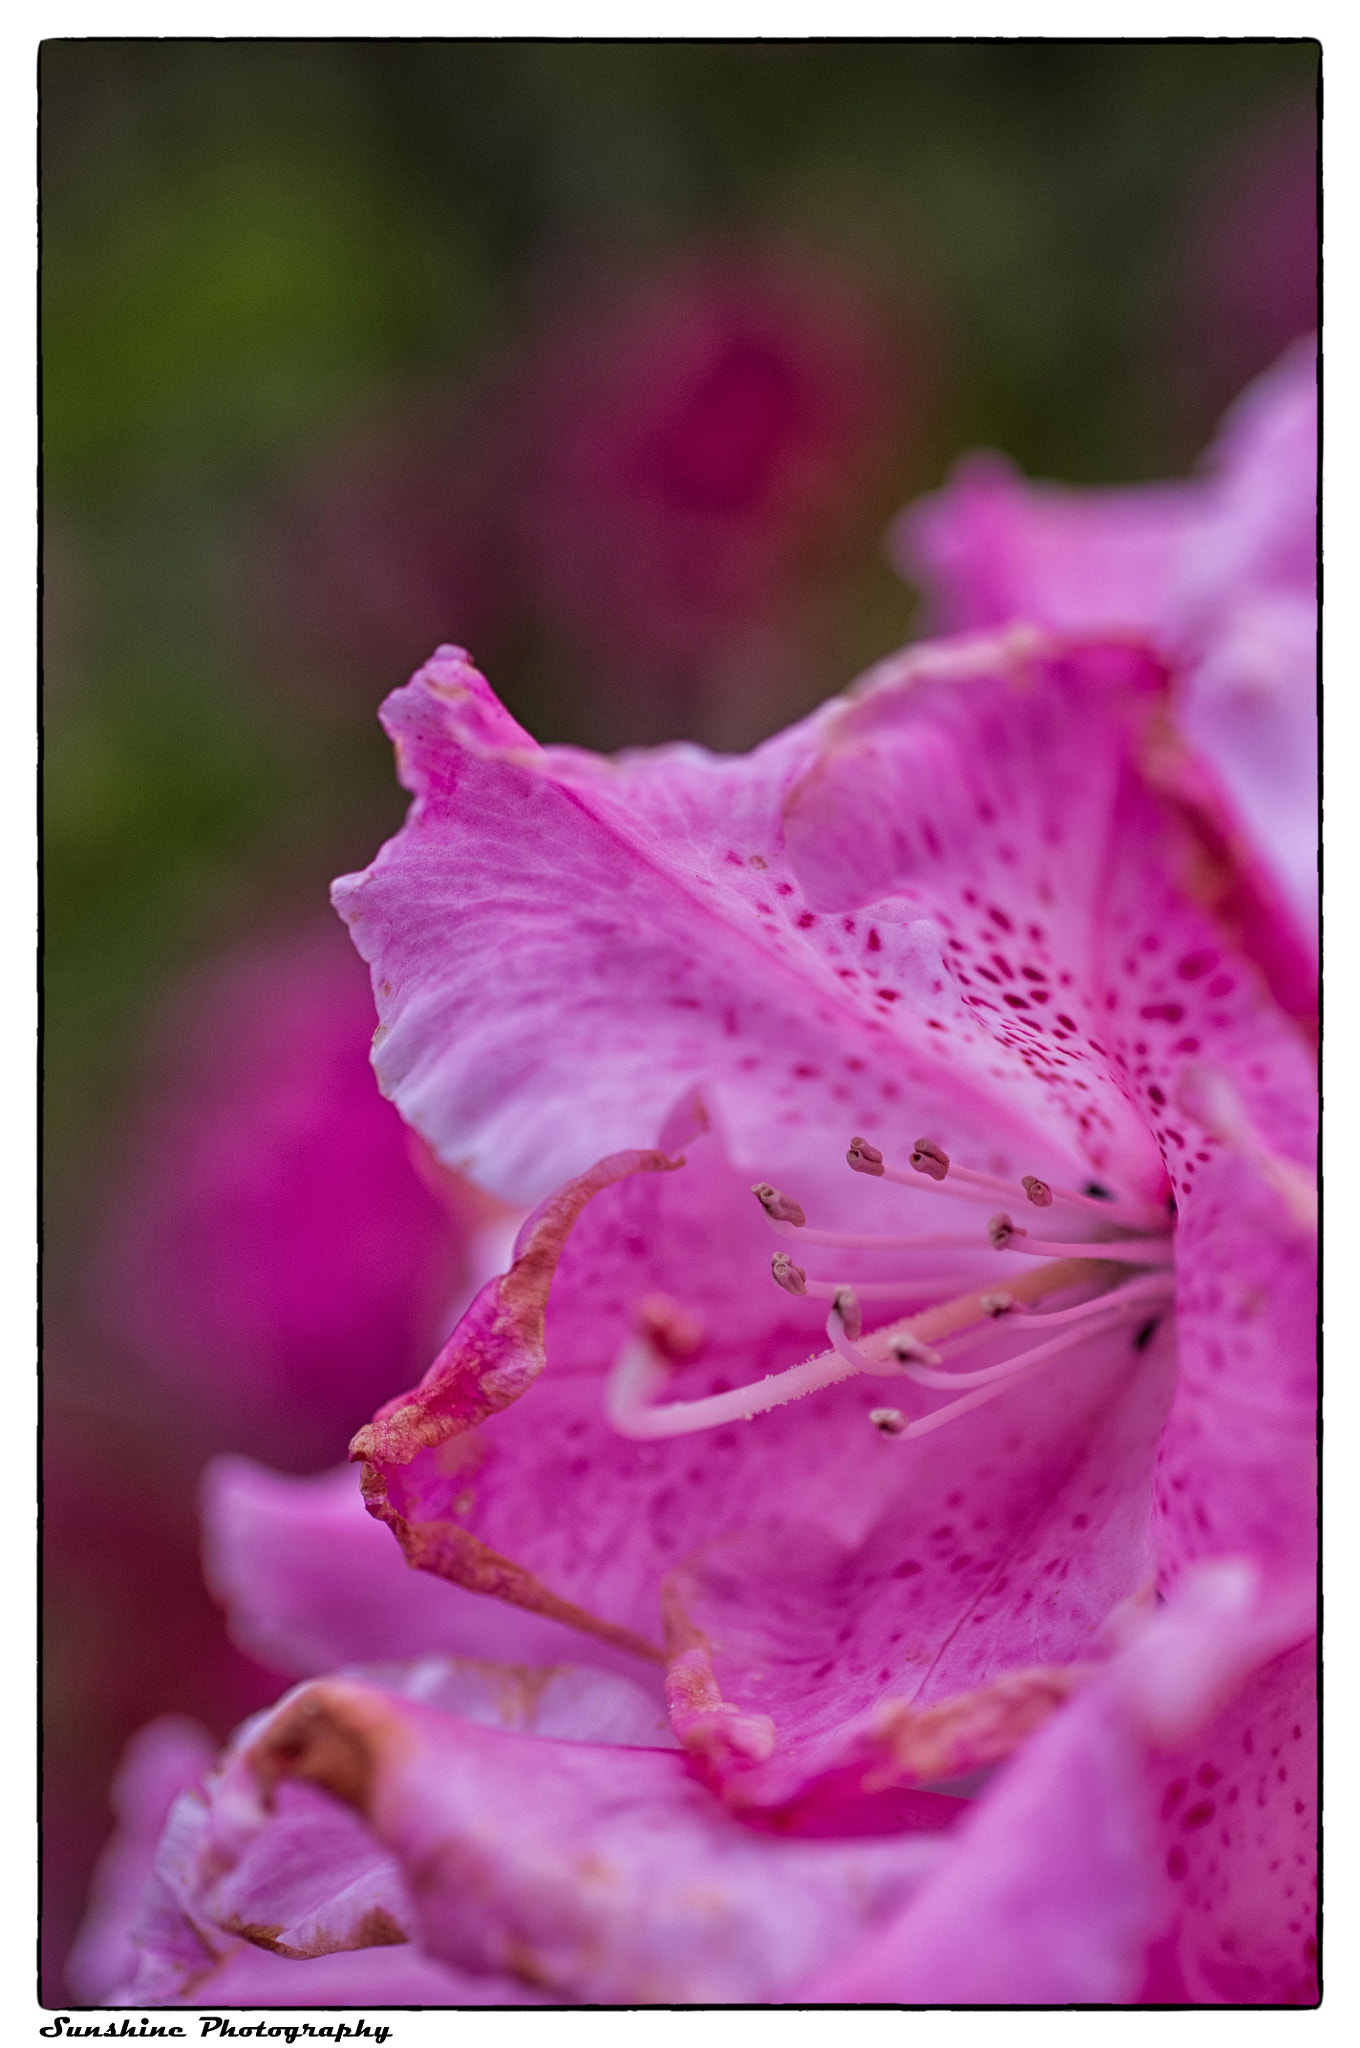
(1107,1313)
(855,1240)
(779,1208)
(636,1376)
(1000,1230)
(929,1158)
(843,1328)
(789,1275)
(998,1304)
(888,1421)
(909,1350)
(1156,1287)
(845,1306)
(638,1373)
(864,1157)
(989,1383)
(1139,1293)
(1124,1251)
(942,1176)
(880,1290)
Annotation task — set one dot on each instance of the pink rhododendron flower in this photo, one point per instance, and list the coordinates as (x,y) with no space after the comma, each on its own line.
(1221,571)
(281,1252)
(952,1486)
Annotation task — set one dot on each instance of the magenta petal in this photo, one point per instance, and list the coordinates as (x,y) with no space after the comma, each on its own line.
(970,1610)
(1237,1470)
(1239,1841)
(275,1253)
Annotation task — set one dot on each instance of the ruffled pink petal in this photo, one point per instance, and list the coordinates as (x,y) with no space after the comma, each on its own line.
(300,1876)
(159,1763)
(372,1977)
(603,1876)
(991,549)
(564,948)
(1221,572)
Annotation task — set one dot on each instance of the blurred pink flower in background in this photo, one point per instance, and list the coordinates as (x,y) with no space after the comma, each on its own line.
(657,491)
(1220,571)
(282,1252)
(702,449)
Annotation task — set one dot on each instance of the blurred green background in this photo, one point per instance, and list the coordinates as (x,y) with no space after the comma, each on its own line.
(282,277)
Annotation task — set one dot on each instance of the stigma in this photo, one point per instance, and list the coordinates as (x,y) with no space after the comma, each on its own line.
(1108,1260)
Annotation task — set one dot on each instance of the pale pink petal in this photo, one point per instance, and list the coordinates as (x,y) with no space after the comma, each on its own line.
(1049,1895)
(159,1763)
(604,1876)
(184,1973)
(1246,603)
(1221,572)
(991,549)
(1102,1866)
(310,1581)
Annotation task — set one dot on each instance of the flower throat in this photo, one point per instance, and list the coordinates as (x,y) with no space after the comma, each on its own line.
(1118,1259)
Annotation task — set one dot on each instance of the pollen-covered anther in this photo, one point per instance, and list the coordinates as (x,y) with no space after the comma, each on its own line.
(995,1305)
(1001,1230)
(845,1304)
(909,1350)
(864,1157)
(1038,1191)
(788,1273)
(779,1208)
(674,1333)
(929,1158)
(888,1421)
